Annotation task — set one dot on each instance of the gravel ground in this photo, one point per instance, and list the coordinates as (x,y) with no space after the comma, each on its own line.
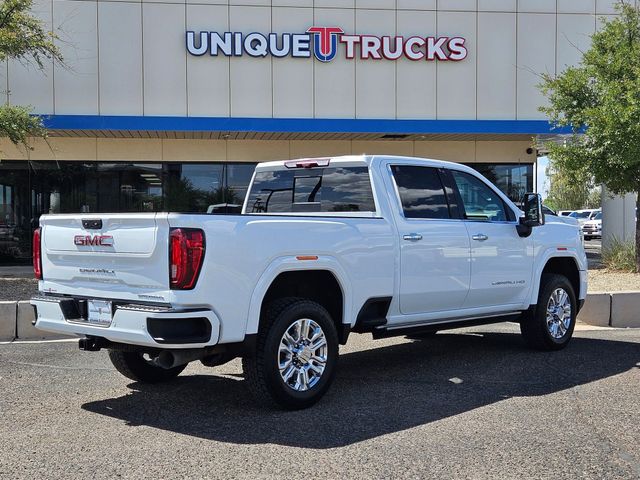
(17,288)
(607,281)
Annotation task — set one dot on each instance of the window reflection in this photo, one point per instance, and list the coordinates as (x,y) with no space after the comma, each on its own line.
(513,179)
(421,192)
(345,189)
(479,201)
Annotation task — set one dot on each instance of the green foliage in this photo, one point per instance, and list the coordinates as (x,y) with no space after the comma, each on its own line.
(183,196)
(18,124)
(601,97)
(568,189)
(23,37)
(620,256)
(594,200)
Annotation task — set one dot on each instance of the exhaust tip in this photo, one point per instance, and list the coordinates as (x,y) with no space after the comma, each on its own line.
(165,360)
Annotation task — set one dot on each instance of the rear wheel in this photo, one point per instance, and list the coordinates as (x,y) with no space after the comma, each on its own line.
(136,366)
(296,354)
(549,326)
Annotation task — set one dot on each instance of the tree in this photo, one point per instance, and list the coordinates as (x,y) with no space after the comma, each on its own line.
(23,37)
(600,100)
(568,189)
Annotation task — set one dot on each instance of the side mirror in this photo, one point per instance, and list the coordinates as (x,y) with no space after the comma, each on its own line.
(533,214)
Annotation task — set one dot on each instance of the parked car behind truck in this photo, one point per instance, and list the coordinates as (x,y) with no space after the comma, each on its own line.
(593,228)
(323,248)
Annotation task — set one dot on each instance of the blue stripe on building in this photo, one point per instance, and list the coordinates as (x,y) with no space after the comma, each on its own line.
(302,125)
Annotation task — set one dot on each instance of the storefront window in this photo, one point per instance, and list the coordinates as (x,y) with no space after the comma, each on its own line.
(238,179)
(193,187)
(16,221)
(513,179)
(31,189)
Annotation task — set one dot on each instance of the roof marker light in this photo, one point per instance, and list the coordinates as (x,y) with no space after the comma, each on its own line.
(308,163)
(307,257)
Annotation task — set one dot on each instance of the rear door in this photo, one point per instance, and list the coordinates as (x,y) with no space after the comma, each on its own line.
(501,260)
(434,245)
(110,255)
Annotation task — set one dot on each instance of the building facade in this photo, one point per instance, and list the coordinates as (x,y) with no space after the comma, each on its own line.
(168,104)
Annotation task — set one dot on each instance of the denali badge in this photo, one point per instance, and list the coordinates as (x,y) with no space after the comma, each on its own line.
(93,240)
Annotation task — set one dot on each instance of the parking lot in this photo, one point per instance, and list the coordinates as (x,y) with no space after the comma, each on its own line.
(469,404)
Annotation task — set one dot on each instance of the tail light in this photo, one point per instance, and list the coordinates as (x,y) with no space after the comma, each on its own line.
(186,252)
(37,254)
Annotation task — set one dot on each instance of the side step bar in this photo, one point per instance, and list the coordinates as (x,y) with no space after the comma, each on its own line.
(449,325)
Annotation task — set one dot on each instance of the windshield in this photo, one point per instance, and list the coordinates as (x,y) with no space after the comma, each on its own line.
(598,216)
(580,214)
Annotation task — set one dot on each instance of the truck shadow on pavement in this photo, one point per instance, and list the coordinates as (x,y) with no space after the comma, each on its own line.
(376,391)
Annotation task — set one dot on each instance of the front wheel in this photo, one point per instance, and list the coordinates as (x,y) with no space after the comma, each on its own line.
(137,367)
(296,354)
(549,326)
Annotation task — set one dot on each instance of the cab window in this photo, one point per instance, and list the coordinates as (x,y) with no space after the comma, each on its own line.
(479,201)
(421,192)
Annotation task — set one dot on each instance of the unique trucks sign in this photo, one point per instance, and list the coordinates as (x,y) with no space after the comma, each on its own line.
(324,42)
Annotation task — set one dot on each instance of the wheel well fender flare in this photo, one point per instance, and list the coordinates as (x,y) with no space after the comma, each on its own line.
(292,264)
(548,256)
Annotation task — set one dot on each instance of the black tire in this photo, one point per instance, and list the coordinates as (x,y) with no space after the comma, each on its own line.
(534,326)
(261,369)
(133,365)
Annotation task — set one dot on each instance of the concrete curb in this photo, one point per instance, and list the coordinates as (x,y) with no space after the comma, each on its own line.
(15,323)
(625,309)
(596,310)
(620,309)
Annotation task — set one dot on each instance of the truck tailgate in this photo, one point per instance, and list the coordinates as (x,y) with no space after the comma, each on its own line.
(106,255)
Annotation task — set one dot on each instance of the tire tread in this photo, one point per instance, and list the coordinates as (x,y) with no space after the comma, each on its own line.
(254,366)
(533,327)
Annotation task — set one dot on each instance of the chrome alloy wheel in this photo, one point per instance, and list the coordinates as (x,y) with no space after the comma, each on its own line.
(558,313)
(302,356)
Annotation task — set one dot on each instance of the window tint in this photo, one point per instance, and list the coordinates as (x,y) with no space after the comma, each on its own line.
(339,189)
(479,201)
(421,192)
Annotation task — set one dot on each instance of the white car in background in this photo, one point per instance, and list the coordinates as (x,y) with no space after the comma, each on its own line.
(583,216)
(564,213)
(593,228)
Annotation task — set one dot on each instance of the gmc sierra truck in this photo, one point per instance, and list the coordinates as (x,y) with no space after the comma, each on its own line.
(322,248)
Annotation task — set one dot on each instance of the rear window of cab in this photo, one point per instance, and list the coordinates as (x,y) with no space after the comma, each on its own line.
(331,189)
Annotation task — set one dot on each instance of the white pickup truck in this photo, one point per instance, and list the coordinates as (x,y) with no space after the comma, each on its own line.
(323,247)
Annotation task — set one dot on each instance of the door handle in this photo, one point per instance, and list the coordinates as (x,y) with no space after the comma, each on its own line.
(480,237)
(412,237)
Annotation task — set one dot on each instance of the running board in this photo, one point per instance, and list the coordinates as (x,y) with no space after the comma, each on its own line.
(398,330)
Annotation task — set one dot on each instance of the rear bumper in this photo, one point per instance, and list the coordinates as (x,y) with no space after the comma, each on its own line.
(142,325)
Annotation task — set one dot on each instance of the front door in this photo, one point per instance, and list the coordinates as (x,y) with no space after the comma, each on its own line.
(501,260)
(434,247)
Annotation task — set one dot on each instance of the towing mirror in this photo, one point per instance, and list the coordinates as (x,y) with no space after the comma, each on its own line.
(533,214)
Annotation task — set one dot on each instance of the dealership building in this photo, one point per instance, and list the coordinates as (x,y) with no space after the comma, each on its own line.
(168,104)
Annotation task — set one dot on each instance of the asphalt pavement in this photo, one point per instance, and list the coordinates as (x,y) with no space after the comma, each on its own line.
(471,404)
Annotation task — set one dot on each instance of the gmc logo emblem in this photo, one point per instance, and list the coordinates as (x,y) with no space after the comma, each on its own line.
(93,241)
